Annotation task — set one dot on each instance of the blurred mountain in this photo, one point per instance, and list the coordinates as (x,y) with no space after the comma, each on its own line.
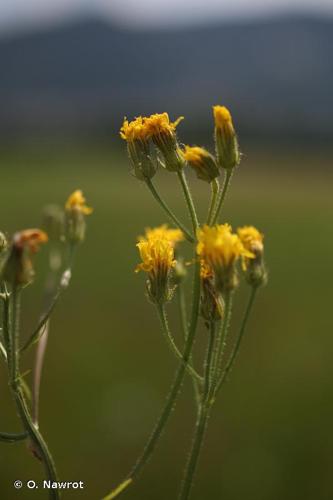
(275,74)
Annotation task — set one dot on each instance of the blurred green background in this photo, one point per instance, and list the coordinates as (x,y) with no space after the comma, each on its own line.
(107,368)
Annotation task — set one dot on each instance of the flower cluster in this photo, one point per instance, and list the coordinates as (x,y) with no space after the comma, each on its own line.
(220,255)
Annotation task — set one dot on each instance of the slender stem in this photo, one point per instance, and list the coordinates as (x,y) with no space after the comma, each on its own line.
(41,327)
(38,445)
(220,346)
(166,330)
(215,187)
(209,360)
(175,389)
(198,438)
(226,184)
(201,423)
(39,360)
(236,347)
(184,324)
(168,211)
(189,200)
(9,437)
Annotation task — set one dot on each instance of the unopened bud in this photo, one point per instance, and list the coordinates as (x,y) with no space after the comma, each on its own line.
(202,162)
(226,144)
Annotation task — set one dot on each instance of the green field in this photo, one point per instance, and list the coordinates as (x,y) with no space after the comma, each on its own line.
(108,369)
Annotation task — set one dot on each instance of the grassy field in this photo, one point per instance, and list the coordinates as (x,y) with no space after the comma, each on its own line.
(107,368)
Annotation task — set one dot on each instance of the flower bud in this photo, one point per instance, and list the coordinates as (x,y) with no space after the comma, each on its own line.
(134,133)
(226,144)
(202,162)
(254,268)
(75,212)
(18,268)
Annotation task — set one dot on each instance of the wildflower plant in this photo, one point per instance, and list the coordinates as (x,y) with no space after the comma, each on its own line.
(221,258)
(63,230)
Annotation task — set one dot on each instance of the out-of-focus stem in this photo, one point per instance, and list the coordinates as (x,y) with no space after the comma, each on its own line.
(38,445)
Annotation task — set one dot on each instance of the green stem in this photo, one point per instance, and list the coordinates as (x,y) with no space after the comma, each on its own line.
(168,211)
(220,342)
(189,200)
(209,360)
(236,347)
(39,447)
(9,437)
(226,184)
(169,338)
(41,327)
(201,423)
(215,187)
(198,438)
(184,325)
(175,389)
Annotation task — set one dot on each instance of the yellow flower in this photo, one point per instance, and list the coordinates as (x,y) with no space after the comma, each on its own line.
(251,238)
(160,124)
(219,249)
(76,201)
(202,162)
(252,241)
(164,233)
(134,130)
(157,255)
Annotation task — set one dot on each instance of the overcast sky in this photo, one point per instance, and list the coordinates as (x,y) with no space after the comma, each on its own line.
(145,12)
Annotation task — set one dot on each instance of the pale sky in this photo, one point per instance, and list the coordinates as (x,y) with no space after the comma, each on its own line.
(151,12)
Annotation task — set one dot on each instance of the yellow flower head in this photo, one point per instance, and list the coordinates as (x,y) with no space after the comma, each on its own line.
(218,246)
(251,238)
(157,255)
(219,249)
(202,162)
(134,130)
(252,241)
(164,233)
(29,239)
(160,124)
(76,202)
(222,117)
(195,155)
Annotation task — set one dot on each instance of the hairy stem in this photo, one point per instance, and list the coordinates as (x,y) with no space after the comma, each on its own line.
(171,399)
(189,200)
(169,338)
(236,347)
(215,187)
(168,211)
(38,445)
(225,187)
